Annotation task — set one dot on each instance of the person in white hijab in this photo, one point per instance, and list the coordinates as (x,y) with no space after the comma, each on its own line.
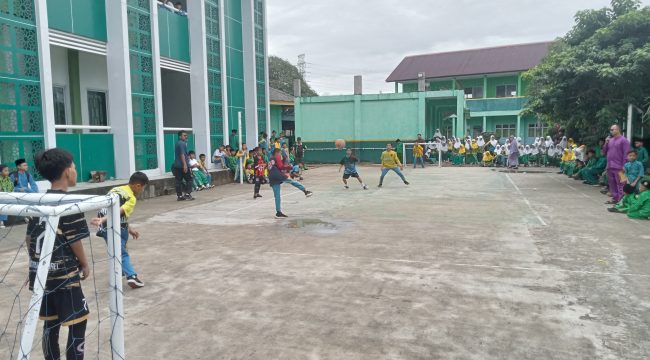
(493,141)
(438,134)
(564,143)
(549,142)
(480,142)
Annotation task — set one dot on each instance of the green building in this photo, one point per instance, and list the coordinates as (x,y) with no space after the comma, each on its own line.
(460,93)
(114,81)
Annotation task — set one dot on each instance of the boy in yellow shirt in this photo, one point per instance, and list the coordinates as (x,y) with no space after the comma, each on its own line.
(390,161)
(418,154)
(128,198)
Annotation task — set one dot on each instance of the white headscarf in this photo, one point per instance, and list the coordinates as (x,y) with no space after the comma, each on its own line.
(527,150)
(480,142)
(549,142)
(534,150)
(456,144)
(437,134)
(564,143)
(493,141)
(468,144)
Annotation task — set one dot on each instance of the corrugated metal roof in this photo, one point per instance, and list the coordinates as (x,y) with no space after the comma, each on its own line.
(279,95)
(494,60)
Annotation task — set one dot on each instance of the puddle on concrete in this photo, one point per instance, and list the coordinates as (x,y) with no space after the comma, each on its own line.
(315,225)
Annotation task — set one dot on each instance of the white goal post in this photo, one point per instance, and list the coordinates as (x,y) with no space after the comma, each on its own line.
(424,145)
(52,207)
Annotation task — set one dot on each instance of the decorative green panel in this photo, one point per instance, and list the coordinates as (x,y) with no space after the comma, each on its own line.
(260,63)
(84,149)
(81,17)
(173,29)
(215,86)
(235,63)
(142,88)
(170,144)
(21,118)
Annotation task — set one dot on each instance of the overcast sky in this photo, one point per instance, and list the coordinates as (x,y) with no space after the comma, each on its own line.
(343,38)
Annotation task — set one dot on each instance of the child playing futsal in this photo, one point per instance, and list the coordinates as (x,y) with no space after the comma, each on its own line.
(390,162)
(350,164)
(277,177)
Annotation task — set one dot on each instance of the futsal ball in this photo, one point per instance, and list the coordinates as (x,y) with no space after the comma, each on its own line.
(340,144)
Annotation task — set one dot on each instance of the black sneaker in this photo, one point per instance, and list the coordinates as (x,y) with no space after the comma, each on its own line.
(379,185)
(280,215)
(614,210)
(180,198)
(189,197)
(308,193)
(407,183)
(134,282)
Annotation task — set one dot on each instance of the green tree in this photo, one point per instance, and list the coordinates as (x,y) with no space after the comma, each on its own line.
(592,74)
(281,76)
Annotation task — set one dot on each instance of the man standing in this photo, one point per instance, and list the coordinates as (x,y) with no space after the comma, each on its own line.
(234,139)
(22,179)
(615,148)
(513,158)
(300,153)
(181,170)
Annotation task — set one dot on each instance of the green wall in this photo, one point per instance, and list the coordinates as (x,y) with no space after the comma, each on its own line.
(493,82)
(373,118)
(276,118)
(81,17)
(174,34)
(91,152)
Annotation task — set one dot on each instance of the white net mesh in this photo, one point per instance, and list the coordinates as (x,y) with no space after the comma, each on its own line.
(41,277)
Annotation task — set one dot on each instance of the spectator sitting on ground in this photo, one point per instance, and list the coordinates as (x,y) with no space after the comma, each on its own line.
(640,206)
(204,168)
(199,178)
(626,200)
(22,179)
(6,185)
(218,157)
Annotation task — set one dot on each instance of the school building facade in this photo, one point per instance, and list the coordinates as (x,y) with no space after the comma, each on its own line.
(113,81)
(460,93)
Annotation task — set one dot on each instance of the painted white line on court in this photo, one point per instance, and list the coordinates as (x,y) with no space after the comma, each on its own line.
(530,206)
(585,272)
(258,202)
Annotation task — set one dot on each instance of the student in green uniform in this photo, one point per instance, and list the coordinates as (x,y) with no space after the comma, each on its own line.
(642,154)
(640,207)
(627,199)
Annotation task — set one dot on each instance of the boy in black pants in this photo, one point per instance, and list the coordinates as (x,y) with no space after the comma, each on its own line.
(63,300)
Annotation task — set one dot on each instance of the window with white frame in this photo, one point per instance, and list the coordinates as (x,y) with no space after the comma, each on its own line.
(537,130)
(505,130)
(507,90)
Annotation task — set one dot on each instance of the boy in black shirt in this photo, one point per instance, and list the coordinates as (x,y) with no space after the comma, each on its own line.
(63,300)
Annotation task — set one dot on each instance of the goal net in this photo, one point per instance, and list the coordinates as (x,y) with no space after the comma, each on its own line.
(22,310)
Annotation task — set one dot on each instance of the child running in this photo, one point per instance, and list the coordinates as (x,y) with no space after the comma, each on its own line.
(390,162)
(128,197)
(259,165)
(350,164)
(63,303)
(277,177)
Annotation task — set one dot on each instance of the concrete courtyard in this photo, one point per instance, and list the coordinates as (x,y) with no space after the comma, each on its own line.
(465,263)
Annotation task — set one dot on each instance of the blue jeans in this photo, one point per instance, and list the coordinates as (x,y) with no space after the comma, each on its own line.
(385,171)
(127,268)
(277,190)
(417,160)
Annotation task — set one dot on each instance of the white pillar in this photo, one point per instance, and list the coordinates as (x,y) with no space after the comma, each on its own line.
(157,89)
(199,77)
(45,66)
(266,74)
(119,87)
(224,75)
(250,78)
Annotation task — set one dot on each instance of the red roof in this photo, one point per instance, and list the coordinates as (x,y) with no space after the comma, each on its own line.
(493,60)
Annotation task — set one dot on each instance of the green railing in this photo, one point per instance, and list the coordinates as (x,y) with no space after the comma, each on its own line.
(174,35)
(91,152)
(170,143)
(81,17)
(497,104)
